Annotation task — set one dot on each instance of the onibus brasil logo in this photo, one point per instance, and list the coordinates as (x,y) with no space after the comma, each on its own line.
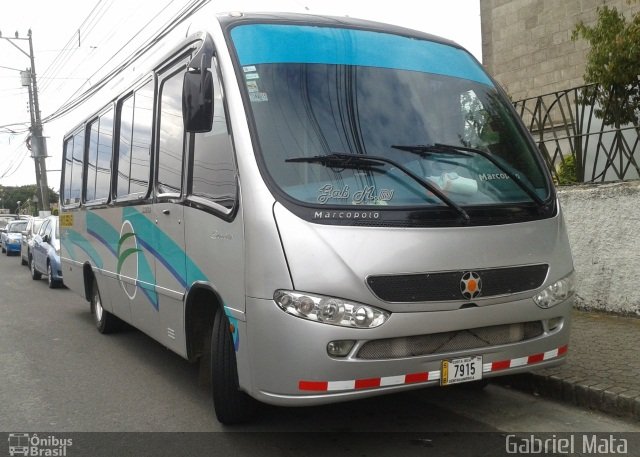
(26,444)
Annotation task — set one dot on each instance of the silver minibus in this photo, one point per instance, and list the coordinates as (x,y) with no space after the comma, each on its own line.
(316,209)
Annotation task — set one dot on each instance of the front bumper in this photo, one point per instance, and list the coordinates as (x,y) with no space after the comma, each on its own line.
(290,365)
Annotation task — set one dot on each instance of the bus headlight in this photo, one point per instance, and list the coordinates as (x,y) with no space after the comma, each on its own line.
(556,293)
(330,310)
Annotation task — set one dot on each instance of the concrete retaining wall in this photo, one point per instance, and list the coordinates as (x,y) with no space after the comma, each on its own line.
(604,231)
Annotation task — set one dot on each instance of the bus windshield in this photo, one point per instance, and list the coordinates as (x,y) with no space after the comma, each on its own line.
(427,109)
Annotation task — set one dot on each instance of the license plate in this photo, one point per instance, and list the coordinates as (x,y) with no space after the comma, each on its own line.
(464,369)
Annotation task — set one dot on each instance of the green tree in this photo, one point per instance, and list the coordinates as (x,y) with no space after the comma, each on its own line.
(12,195)
(613,61)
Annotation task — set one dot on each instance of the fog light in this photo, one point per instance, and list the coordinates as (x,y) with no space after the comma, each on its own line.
(554,323)
(340,348)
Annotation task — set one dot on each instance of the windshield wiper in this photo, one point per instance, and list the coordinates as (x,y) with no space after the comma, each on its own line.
(426,150)
(340,161)
(359,161)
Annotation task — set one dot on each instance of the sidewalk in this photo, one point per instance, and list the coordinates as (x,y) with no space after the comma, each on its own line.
(602,370)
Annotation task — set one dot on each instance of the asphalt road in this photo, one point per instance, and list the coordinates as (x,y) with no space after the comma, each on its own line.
(59,375)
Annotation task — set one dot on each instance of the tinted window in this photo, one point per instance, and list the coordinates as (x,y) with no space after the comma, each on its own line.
(76,167)
(92,158)
(124,151)
(214,173)
(171,140)
(103,160)
(330,94)
(136,117)
(68,170)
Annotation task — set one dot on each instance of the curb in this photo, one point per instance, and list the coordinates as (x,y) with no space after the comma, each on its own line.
(615,401)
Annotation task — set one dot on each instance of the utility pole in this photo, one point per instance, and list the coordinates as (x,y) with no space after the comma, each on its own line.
(38,144)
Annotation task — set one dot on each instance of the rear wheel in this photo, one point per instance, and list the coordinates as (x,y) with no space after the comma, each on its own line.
(105,321)
(35,274)
(232,405)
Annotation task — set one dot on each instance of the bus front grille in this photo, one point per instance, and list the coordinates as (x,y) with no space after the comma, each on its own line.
(440,343)
(446,285)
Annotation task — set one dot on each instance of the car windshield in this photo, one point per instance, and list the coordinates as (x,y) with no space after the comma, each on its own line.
(17,227)
(426,106)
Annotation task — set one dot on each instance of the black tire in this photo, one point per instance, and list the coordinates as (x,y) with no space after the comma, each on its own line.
(35,274)
(104,320)
(53,283)
(232,405)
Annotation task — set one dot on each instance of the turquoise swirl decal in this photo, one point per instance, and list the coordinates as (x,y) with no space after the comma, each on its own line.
(73,239)
(102,231)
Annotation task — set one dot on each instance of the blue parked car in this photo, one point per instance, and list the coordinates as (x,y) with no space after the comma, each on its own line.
(45,254)
(11,237)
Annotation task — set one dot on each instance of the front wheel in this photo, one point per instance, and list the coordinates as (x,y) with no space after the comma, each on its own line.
(53,283)
(232,405)
(104,320)
(35,274)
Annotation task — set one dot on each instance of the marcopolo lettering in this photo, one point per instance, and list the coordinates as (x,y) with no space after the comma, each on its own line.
(367,215)
(496,176)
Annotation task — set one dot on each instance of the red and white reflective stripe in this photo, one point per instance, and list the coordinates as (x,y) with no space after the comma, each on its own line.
(414,378)
(522,361)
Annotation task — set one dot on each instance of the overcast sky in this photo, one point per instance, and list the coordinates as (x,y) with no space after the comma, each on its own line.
(67,61)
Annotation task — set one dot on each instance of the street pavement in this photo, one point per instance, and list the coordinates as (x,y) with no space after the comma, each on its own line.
(602,371)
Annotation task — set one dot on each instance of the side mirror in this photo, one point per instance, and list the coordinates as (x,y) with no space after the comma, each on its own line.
(197,101)
(46,239)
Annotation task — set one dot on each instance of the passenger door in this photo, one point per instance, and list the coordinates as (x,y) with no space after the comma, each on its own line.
(39,248)
(168,208)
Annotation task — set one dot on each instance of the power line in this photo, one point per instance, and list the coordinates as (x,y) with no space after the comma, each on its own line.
(15,157)
(182,15)
(70,48)
(123,47)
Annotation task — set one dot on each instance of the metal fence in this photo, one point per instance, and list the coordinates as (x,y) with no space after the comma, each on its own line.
(576,144)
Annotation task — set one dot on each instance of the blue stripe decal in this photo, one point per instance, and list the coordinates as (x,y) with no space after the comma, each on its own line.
(270,43)
(78,240)
(180,277)
(103,232)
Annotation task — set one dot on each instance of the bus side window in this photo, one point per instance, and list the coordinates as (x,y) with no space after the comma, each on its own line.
(74,164)
(65,190)
(213,169)
(171,137)
(99,158)
(136,117)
